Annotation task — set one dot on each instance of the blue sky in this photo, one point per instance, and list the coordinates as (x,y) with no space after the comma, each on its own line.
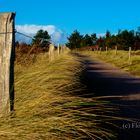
(87,16)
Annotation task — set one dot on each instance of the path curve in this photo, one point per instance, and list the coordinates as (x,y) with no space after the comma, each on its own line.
(123,90)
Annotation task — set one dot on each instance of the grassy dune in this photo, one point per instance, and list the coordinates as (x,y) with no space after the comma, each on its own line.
(47,106)
(121,59)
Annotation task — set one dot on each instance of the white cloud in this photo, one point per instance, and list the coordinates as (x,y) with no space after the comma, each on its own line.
(57,35)
(101,34)
(32,29)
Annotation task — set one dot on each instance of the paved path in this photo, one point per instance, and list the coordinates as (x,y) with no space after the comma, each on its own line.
(122,89)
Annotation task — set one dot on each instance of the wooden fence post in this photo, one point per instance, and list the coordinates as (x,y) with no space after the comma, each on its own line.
(97,49)
(100,50)
(58,49)
(129,54)
(64,49)
(51,52)
(106,49)
(116,48)
(7,57)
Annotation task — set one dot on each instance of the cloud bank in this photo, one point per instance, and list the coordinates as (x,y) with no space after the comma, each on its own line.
(57,35)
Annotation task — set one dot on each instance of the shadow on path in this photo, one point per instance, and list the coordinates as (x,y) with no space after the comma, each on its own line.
(123,90)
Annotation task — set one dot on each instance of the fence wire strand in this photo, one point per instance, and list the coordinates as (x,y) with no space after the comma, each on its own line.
(28,36)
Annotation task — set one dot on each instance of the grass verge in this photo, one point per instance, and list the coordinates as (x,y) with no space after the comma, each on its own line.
(121,59)
(47,108)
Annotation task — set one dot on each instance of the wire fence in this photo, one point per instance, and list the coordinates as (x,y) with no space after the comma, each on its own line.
(52,51)
(28,36)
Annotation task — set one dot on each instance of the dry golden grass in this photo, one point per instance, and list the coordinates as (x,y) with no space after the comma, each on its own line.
(48,108)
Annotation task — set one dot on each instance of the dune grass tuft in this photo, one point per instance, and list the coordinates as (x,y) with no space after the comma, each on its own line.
(48,108)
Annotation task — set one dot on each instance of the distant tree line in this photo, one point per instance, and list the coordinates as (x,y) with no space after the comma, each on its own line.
(41,39)
(76,40)
(123,40)
(40,43)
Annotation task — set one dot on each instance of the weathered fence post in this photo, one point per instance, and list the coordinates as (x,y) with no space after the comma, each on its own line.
(129,54)
(116,48)
(61,49)
(106,48)
(51,52)
(100,50)
(64,49)
(7,57)
(58,49)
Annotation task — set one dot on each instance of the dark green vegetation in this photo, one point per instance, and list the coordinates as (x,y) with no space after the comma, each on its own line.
(40,43)
(41,39)
(27,53)
(123,40)
(76,40)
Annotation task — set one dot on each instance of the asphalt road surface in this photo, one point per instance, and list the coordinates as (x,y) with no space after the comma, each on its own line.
(122,89)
